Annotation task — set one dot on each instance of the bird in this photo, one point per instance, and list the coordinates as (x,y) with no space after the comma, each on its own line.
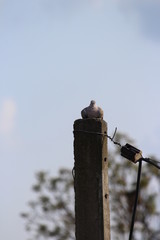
(92,111)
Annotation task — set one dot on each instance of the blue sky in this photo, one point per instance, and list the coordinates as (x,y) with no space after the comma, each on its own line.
(55,56)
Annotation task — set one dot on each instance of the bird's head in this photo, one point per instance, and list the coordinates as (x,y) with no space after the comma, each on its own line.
(92,103)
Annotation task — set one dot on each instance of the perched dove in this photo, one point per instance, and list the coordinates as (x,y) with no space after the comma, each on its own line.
(92,111)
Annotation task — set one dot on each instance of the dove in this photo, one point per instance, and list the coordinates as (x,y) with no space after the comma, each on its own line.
(92,111)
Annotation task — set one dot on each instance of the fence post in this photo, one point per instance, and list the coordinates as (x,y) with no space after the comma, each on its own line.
(91,180)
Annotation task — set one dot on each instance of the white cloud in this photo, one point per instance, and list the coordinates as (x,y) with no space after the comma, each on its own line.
(7,116)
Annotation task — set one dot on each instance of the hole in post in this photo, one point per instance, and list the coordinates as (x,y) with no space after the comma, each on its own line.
(106,195)
(105,159)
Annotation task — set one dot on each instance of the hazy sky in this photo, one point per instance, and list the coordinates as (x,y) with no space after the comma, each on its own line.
(55,56)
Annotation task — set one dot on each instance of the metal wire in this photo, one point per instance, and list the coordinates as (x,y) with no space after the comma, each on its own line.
(153,162)
(103,134)
(136,199)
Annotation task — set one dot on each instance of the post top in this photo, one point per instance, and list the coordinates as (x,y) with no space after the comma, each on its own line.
(89,120)
(94,125)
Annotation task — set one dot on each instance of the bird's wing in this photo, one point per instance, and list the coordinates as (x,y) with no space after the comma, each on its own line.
(100,112)
(84,113)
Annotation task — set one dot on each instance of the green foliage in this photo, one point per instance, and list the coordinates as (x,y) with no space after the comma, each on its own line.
(51,213)
(122,179)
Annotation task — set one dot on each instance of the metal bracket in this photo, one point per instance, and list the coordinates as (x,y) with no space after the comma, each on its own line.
(134,155)
(131,153)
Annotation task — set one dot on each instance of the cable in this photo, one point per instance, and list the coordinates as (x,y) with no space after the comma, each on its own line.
(102,134)
(153,162)
(136,199)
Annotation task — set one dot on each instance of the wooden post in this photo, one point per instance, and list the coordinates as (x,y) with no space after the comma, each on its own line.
(91,180)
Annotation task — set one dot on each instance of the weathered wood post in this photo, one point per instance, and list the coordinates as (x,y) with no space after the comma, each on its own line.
(91,180)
